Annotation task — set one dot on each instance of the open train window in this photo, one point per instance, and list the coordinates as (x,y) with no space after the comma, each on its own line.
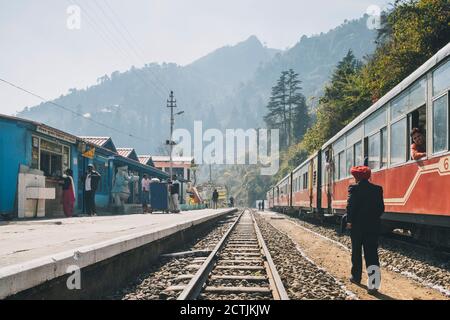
(417,119)
(375,149)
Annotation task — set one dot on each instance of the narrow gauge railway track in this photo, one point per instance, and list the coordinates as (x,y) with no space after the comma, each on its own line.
(239,267)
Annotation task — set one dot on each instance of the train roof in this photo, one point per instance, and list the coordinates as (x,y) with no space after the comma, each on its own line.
(418,73)
(306,161)
(284,178)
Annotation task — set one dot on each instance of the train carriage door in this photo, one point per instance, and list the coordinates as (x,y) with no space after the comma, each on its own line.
(328,173)
(291,182)
(310,181)
(318,188)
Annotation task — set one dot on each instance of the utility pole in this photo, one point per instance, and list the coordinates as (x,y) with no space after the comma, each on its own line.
(210,176)
(171,103)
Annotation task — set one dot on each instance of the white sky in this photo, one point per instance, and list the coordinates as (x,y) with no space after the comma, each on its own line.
(39,52)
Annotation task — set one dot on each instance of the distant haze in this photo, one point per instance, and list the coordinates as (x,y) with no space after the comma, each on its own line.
(41,54)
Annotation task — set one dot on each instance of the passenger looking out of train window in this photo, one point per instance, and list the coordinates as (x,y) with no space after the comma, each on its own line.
(418,147)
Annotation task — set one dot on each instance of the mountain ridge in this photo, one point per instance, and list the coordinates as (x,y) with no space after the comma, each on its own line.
(227,88)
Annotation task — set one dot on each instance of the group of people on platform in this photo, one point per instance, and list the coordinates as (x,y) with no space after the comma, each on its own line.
(91,180)
(173,192)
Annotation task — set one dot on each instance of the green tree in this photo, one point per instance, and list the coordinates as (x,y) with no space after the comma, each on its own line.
(343,97)
(277,117)
(287,108)
(298,110)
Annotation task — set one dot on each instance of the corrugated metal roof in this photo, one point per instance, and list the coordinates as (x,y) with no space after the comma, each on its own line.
(124,152)
(144,159)
(174,159)
(98,141)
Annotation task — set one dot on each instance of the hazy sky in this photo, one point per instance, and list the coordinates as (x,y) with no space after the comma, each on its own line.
(39,52)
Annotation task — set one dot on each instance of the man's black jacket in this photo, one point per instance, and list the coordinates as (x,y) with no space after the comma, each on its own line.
(365,205)
(95,179)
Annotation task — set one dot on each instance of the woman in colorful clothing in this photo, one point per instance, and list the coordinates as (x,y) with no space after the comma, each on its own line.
(68,193)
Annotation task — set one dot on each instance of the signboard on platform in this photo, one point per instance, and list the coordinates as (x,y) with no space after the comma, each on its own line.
(56,134)
(89,154)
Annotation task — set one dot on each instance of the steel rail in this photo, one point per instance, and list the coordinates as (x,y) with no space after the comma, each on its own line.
(278,290)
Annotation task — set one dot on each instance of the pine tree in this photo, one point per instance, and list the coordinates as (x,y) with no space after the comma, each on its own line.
(277,118)
(287,108)
(298,110)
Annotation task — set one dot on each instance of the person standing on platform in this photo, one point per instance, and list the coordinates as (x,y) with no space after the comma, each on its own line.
(174,194)
(68,193)
(262,205)
(231,202)
(215,198)
(259,206)
(365,206)
(145,187)
(91,181)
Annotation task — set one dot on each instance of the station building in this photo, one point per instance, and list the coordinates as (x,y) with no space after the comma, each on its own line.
(33,156)
(182,167)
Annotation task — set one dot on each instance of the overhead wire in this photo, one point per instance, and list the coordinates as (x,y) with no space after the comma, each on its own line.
(71,111)
(103,32)
(130,41)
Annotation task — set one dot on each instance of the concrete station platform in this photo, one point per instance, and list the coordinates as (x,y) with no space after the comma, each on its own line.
(34,252)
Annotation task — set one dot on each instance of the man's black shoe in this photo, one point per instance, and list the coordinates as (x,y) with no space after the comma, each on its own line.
(355,281)
(372,291)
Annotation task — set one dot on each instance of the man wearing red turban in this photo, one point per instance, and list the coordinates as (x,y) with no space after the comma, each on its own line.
(365,206)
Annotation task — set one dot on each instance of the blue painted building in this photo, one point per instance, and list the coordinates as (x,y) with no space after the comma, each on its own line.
(38,146)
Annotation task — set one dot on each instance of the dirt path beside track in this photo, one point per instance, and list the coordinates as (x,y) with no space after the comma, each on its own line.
(336,259)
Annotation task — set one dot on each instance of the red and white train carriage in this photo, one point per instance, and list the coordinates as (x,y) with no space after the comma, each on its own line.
(416,193)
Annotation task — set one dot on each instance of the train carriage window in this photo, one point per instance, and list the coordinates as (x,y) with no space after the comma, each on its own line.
(339,145)
(416,119)
(398,142)
(374,148)
(354,136)
(375,122)
(349,162)
(384,147)
(341,165)
(305,181)
(440,124)
(441,78)
(410,99)
(358,157)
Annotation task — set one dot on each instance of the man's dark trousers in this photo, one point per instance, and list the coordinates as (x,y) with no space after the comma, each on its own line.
(367,240)
(90,202)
